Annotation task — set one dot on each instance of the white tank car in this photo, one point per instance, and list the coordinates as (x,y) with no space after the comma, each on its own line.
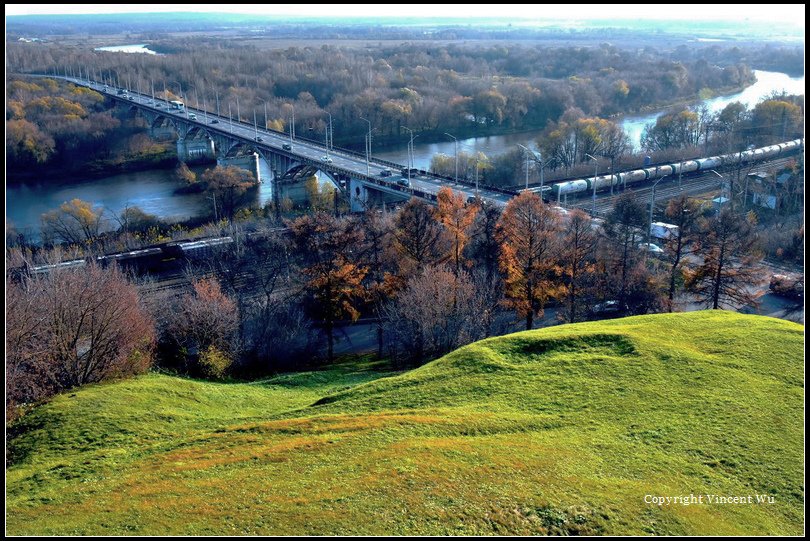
(636,175)
(602,182)
(704,164)
(571,186)
(690,166)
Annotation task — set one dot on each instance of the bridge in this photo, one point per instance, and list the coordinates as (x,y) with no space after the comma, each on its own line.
(201,133)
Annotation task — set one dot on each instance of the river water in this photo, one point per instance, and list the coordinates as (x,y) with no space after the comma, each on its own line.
(154,191)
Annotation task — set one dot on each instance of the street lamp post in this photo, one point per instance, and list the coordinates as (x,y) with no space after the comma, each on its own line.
(595,173)
(722,188)
(410,153)
(652,206)
(455,141)
(528,152)
(368,147)
(330,142)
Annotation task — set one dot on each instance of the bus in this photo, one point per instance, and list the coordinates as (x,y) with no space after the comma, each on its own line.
(176,104)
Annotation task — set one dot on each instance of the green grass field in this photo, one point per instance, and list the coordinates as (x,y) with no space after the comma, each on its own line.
(562,430)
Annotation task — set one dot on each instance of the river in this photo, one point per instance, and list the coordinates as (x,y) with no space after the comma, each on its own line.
(154,191)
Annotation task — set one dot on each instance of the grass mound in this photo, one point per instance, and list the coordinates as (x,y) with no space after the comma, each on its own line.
(567,430)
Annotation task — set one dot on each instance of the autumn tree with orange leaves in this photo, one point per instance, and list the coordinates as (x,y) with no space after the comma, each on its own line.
(457,216)
(334,280)
(528,231)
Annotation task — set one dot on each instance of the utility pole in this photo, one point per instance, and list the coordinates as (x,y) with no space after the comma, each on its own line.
(595,174)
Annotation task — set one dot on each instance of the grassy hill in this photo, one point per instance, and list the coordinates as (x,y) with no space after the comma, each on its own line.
(562,430)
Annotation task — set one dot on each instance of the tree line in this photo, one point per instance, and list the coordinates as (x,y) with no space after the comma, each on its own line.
(424,279)
(428,88)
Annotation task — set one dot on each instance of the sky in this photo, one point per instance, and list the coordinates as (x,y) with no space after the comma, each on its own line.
(789,14)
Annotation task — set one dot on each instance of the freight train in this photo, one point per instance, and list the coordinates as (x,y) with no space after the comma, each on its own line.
(622,179)
(152,259)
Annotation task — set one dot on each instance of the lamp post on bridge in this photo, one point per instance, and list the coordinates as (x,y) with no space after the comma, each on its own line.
(368,147)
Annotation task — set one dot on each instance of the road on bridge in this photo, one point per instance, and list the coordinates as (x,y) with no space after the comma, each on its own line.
(330,160)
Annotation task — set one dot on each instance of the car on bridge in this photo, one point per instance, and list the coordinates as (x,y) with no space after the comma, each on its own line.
(215,121)
(286,146)
(326,159)
(385,173)
(258,138)
(404,182)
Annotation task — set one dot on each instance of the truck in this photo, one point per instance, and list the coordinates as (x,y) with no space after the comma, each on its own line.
(660,230)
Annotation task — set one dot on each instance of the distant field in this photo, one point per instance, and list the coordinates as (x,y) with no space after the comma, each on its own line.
(563,430)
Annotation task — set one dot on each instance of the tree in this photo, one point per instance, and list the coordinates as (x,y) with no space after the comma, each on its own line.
(684,213)
(334,279)
(203,327)
(228,184)
(577,262)
(418,236)
(528,234)
(622,230)
(484,247)
(73,327)
(26,144)
(456,215)
(378,255)
(434,314)
(184,174)
(728,274)
(74,222)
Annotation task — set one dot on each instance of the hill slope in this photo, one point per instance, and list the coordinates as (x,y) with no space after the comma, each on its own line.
(562,430)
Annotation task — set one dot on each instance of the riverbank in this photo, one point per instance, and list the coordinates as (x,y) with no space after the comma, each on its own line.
(94,169)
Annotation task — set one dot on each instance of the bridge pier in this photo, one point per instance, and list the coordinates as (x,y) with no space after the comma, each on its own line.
(358,195)
(249,162)
(194,149)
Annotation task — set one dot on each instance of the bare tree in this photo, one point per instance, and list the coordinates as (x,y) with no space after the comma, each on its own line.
(203,320)
(74,222)
(577,262)
(418,235)
(684,213)
(727,277)
(622,230)
(434,314)
(72,327)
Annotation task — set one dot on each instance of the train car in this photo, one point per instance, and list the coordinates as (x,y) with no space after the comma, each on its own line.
(203,248)
(140,261)
(704,164)
(634,176)
(603,182)
(572,186)
(39,270)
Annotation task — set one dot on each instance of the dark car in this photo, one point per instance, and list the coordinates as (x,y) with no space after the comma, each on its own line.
(286,146)
(259,139)
(215,121)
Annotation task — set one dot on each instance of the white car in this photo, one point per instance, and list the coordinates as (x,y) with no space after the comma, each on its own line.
(652,248)
(326,159)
